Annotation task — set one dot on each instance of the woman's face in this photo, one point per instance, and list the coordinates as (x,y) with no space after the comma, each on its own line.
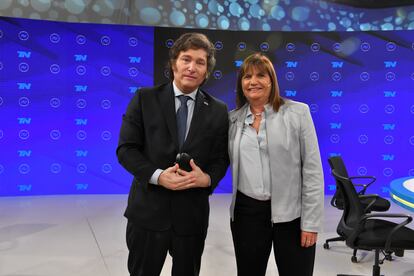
(256,85)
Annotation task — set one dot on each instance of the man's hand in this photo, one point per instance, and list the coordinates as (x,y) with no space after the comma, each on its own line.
(172,180)
(201,179)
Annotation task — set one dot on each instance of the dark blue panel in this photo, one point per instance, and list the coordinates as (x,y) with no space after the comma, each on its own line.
(64,88)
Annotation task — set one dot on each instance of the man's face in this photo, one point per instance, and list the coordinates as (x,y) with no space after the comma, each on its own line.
(190,69)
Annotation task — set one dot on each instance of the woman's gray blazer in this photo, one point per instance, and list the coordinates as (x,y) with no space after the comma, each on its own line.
(295,164)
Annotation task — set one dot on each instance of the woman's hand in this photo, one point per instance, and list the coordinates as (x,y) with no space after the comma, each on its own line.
(308,239)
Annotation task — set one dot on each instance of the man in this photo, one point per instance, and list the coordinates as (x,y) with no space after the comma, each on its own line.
(168,207)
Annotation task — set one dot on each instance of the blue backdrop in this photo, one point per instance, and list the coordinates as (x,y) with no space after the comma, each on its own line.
(64,87)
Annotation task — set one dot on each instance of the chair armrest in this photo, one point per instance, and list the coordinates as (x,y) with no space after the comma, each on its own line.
(388,241)
(386,215)
(372,202)
(373,179)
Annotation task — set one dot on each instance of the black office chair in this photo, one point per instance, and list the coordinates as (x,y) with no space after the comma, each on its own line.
(380,204)
(367,232)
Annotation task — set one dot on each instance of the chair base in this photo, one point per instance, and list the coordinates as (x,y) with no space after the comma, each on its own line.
(339,238)
(376,270)
(326,244)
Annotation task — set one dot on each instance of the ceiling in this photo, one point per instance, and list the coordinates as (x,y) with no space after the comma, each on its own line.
(374,4)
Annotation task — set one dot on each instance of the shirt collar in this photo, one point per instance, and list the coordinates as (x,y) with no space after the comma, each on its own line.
(267,108)
(178,92)
(249,115)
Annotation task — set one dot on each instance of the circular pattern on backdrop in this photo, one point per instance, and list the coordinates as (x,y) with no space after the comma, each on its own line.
(23,67)
(106,135)
(106,168)
(290,76)
(105,71)
(81,135)
(80,70)
(23,35)
(54,38)
(336,76)
(314,76)
(55,168)
(54,102)
(290,47)
(315,47)
(81,103)
(390,46)
(105,40)
(314,108)
(389,109)
(81,168)
(24,168)
(363,139)
(133,41)
(362,171)
(80,39)
(364,76)
(365,46)
(387,172)
(363,108)
(106,104)
(54,69)
(335,108)
(335,138)
(24,101)
(389,139)
(55,134)
(24,134)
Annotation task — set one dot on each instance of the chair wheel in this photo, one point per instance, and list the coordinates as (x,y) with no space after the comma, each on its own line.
(399,253)
(354,259)
(326,245)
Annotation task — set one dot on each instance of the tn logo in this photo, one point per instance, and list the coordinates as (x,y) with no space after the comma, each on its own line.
(337,64)
(23,54)
(388,157)
(134,59)
(291,64)
(80,57)
(390,64)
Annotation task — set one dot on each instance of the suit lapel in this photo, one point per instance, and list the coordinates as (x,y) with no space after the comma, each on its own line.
(200,111)
(167,102)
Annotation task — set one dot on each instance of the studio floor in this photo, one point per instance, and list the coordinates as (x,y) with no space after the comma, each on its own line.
(84,235)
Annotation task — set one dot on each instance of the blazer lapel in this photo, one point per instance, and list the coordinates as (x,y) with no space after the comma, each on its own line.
(236,126)
(167,102)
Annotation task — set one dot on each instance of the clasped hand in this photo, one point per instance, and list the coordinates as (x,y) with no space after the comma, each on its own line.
(174,178)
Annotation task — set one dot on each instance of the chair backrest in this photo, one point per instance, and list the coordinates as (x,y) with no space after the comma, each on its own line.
(336,163)
(353,209)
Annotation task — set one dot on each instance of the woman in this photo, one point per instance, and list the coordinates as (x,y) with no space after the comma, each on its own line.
(277,176)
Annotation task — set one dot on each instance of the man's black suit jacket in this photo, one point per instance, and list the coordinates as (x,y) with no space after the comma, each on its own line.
(148,141)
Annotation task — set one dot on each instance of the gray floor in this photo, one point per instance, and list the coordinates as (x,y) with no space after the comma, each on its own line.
(84,236)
